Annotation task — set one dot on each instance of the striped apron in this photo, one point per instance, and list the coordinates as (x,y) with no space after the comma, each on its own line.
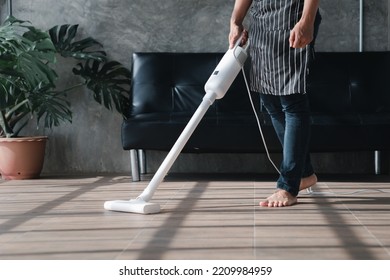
(276,68)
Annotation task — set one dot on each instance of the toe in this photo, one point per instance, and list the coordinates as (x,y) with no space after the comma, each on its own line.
(264,203)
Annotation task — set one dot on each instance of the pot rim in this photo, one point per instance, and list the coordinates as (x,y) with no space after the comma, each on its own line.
(24,139)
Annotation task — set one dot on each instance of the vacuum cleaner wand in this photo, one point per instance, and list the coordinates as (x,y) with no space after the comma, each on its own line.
(215,88)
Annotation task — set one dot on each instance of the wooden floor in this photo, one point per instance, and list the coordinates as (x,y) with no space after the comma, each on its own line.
(204,217)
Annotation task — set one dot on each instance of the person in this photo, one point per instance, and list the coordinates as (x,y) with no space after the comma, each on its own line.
(281,36)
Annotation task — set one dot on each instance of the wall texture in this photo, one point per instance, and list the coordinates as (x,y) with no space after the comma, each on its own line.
(92,142)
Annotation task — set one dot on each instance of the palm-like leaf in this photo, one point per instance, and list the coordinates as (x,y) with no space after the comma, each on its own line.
(26,54)
(63,38)
(50,105)
(110,83)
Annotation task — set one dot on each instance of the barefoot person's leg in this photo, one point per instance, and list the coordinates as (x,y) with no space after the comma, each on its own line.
(296,139)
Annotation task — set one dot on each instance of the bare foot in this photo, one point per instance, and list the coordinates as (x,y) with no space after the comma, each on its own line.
(280,198)
(308,182)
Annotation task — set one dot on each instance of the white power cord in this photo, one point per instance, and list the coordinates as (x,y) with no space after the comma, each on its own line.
(258,121)
(320,193)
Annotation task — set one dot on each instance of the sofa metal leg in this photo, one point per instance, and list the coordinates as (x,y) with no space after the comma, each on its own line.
(142,161)
(378,170)
(135,174)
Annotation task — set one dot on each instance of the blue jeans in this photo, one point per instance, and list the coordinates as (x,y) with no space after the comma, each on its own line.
(290,115)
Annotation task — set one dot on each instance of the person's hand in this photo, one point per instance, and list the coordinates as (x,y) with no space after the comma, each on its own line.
(301,35)
(235,34)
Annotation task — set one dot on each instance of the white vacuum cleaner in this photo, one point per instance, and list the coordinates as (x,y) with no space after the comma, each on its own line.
(216,87)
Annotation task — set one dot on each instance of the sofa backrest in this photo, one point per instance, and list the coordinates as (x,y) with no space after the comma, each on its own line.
(173,83)
(350,82)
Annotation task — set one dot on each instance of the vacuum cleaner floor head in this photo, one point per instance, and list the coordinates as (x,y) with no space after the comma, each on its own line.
(134,206)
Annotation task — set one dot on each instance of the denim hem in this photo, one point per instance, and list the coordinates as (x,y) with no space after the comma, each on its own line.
(287,188)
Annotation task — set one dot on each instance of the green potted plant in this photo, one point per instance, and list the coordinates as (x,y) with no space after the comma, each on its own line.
(28,85)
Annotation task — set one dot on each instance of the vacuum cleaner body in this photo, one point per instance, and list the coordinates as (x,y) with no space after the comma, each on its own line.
(226,71)
(216,87)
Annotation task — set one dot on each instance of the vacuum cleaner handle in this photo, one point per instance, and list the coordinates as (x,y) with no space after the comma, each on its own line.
(226,71)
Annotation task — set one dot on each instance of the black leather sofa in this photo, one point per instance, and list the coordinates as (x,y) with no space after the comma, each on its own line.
(349,95)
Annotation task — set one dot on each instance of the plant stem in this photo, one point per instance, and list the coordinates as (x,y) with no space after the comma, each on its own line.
(73,87)
(4,125)
(11,111)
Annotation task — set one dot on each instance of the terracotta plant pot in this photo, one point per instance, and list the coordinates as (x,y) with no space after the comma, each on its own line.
(22,158)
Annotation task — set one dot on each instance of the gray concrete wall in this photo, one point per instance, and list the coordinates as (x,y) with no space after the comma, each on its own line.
(92,142)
